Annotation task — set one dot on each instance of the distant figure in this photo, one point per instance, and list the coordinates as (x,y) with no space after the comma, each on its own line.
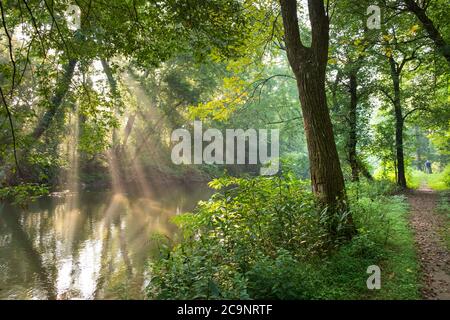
(428,167)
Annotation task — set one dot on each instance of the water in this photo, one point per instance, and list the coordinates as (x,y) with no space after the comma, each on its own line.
(86,246)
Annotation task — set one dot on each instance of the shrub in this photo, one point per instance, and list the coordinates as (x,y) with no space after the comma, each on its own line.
(193,273)
(446,176)
(24,193)
(264,238)
(236,232)
(439,180)
(258,215)
(281,277)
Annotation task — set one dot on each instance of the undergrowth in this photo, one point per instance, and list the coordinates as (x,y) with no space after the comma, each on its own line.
(266,238)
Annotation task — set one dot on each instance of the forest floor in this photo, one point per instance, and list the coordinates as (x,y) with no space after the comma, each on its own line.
(433,254)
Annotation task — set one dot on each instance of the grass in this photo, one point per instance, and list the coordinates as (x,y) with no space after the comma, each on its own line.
(346,272)
(400,266)
(416,178)
(438,181)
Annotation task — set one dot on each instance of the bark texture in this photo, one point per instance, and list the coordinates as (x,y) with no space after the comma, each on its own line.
(399,122)
(308,65)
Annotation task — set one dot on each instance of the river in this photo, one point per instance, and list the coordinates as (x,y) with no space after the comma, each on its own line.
(86,246)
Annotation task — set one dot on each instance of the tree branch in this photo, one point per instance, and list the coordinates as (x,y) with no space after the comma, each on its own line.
(386,94)
(283,121)
(414,110)
(13,134)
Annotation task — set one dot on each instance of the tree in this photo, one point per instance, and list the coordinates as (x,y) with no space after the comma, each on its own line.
(53,56)
(400,46)
(309,65)
(350,83)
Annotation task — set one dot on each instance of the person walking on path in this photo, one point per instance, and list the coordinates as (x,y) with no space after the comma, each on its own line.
(428,167)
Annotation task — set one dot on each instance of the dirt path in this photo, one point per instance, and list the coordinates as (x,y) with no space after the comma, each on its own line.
(433,256)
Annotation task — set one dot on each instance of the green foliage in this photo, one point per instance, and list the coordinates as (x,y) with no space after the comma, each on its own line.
(387,172)
(192,272)
(224,61)
(444,203)
(440,180)
(23,194)
(437,181)
(416,179)
(262,238)
(281,277)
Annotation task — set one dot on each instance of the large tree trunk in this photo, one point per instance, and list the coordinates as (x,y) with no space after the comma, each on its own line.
(308,65)
(57,99)
(352,135)
(399,121)
(429,26)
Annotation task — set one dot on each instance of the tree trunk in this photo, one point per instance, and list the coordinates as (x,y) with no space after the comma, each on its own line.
(401,177)
(352,136)
(429,26)
(308,65)
(56,101)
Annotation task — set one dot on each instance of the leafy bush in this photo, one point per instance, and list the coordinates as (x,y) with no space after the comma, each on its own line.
(416,179)
(281,277)
(436,181)
(237,231)
(22,194)
(259,215)
(446,176)
(370,189)
(192,272)
(265,238)
(387,173)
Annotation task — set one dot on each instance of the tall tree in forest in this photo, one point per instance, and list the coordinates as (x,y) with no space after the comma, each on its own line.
(400,48)
(350,82)
(309,65)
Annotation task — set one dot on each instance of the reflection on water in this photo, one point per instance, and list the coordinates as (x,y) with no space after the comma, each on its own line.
(92,246)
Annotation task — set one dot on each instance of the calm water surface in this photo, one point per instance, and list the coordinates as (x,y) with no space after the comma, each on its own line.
(86,246)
